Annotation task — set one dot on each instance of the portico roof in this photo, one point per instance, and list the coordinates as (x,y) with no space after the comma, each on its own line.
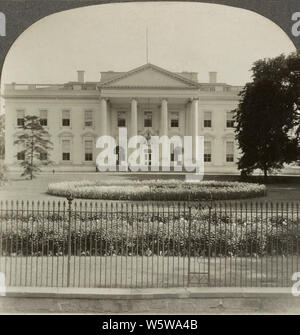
(149,76)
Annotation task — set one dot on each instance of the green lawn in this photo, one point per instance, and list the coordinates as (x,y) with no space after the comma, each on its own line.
(288,189)
(156,271)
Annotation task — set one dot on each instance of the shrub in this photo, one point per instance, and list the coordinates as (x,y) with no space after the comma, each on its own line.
(173,190)
(122,234)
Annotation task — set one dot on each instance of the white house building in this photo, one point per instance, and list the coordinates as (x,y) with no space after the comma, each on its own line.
(147,101)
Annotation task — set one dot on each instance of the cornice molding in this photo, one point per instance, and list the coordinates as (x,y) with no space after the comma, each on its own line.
(150,87)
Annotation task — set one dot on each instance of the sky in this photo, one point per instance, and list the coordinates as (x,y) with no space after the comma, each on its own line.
(192,37)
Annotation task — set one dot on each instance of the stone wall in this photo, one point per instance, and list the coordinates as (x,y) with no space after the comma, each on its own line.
(151,301)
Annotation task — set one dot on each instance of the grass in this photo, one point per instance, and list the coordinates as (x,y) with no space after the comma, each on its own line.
(156,271)
(281,189)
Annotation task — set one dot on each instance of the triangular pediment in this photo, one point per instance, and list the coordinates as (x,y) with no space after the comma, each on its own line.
(149,76)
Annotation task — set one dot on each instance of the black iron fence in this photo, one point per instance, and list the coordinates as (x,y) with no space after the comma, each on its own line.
(91,244)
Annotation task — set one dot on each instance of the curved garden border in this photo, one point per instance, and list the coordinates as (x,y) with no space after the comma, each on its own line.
(162,190)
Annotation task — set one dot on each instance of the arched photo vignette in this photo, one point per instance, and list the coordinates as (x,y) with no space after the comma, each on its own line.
(17,16)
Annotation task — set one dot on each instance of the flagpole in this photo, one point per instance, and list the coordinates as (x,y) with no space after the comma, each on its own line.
(147,51)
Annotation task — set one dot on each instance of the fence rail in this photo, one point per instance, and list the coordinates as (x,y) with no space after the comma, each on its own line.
(121,244)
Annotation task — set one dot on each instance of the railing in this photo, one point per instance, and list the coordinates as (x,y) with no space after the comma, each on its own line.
(23,87)
(220,89)
(121,244)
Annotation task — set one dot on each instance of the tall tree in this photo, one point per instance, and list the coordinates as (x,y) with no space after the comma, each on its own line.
(35,142)
(268,115)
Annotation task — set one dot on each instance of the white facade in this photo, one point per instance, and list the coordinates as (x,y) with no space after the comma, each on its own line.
(147,101)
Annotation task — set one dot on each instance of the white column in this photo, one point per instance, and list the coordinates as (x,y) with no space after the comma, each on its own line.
(194,123)
(103,117)
(163,129)
(133,121)
(164,118)
(188,119)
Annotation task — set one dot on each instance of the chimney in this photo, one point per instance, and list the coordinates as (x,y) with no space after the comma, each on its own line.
(80,76)
(212,77)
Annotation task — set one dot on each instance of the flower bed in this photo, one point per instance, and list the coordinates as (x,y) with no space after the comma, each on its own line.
(173,190)
(120,234)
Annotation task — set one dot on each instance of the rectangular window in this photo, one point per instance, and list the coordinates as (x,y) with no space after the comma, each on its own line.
(20,118)
(147,119)
(43,118)
(88,118)
(43,156)
(66,122)
(88,150)
(207,151)
(229,152)
(207,120)
(66,150)
(20,156)
(230,119)
(66,156)
(121,119)
(174,119)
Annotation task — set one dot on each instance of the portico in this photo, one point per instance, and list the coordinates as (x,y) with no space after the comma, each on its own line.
(150,100)
(150,116)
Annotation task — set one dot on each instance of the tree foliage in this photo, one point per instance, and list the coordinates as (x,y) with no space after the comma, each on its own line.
(35,142)
(268,115)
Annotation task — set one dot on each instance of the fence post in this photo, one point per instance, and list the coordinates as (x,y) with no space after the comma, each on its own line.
(209,245)
(70,200)
(189,243)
